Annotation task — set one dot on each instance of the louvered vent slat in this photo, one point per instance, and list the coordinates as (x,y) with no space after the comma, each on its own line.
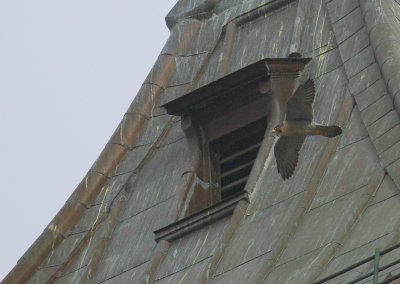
(244,151)
(237,169)
(237,152)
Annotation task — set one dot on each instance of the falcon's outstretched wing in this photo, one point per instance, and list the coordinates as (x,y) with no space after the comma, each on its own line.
(287,154)
(299,106)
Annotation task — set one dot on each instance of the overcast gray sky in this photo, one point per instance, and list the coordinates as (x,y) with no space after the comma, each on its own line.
(68,71)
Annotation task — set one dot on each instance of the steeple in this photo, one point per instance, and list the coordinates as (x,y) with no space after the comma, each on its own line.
(152,208)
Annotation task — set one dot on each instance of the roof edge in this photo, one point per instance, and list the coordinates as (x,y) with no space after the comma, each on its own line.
(385,44)
(200,11)
(86,192)
(93,182)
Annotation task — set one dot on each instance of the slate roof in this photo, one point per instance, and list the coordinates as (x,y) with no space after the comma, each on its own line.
(342,202)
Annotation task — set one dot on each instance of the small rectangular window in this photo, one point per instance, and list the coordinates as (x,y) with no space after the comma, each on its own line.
(234,155)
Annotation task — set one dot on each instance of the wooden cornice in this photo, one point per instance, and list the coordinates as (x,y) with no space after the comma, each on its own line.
(248,79)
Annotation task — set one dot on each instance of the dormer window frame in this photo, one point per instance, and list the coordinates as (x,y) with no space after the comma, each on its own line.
(242,97)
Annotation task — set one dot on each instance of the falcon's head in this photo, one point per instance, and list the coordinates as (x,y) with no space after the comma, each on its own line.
(277,130)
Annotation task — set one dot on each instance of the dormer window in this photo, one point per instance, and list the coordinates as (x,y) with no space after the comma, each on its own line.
(227,121)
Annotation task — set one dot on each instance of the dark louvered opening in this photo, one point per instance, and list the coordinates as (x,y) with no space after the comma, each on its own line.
(235,155)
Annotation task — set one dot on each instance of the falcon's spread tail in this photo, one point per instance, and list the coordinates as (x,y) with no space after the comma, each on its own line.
(329,131)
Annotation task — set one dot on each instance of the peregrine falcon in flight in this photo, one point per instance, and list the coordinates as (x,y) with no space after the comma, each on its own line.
(296,126)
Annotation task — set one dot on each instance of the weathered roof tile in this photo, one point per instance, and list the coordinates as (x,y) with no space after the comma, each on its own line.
(346,173)
(377,109)
(348,25)
(388,139)
(354,130)
(339,8)
(384,124)
(133,241)
(390,155)
(359,61)
(192,248)
(352,46)
(371,94)
(339,216)
(364,79)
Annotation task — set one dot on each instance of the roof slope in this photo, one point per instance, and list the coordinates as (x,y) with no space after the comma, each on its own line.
(341,203)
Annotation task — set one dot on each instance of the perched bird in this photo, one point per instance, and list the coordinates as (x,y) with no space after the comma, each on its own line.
(296,126)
